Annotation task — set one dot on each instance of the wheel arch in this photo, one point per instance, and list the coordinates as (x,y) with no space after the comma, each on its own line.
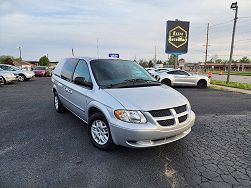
(94,107)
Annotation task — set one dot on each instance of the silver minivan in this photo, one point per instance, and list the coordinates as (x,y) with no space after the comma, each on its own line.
(121,103)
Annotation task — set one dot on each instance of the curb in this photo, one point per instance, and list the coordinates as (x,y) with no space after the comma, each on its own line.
(230,89)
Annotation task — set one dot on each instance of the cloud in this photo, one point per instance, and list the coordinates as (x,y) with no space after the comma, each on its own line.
(124,26)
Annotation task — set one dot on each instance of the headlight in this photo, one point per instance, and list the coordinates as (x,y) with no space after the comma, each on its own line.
(130,116)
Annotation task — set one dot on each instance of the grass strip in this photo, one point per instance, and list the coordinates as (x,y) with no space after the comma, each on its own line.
(232,84)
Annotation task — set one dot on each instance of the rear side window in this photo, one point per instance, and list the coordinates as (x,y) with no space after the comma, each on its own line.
(68,69)
(172,72)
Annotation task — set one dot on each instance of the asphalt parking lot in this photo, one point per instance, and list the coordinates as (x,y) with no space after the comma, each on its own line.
(41,148)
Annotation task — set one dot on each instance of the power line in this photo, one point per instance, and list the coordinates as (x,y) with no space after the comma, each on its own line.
(222,23)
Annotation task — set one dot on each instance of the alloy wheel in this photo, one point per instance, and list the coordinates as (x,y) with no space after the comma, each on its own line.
(99,132)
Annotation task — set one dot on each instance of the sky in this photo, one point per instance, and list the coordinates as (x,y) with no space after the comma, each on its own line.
(131,28)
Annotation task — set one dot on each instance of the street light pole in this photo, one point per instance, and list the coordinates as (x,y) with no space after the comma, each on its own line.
(206,49)
(234,6)
(20,52)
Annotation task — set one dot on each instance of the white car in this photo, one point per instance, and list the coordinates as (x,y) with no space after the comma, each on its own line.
(182,78)
(152,71)
(22,75)
(7,76)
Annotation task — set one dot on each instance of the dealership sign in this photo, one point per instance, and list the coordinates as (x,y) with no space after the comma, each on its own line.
(113,55)
(177,33)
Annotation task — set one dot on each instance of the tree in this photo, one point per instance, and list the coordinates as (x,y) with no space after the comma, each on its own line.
(245,60)
(159,62)
(44,61)
(7,59)
(171,60)
(143,63)
(150,64)
(218,61)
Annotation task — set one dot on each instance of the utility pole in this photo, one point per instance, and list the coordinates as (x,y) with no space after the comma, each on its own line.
(72,52)
(206,48)
(234,6)
(20,52)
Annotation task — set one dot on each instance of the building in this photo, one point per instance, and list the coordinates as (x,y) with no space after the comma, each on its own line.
(244,67)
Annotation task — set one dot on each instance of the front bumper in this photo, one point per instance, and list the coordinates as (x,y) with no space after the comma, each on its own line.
(10,79)
(140,138)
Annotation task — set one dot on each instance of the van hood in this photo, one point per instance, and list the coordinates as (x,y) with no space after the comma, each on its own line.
(148,98)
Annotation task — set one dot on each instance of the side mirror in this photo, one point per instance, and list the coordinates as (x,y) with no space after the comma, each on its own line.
(81,81)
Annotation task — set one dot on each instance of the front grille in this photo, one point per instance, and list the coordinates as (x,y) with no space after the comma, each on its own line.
(171,116)
(167,122)
(160,113)
(182,118)
(180,109)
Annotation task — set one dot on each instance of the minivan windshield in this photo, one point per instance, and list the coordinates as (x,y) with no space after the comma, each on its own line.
(112,73)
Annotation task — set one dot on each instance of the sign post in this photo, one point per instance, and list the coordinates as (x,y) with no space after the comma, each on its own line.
(177,33)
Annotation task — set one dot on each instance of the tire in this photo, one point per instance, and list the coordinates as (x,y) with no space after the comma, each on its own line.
(57,104)
(21,78)
(99,132)
(4,81)
(166,82)
(202,84)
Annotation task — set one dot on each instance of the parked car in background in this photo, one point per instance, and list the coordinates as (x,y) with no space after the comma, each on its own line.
(182,78)
(121,103)
(42,71)
(163,69)
(151,71)
(22,75)
(7,76)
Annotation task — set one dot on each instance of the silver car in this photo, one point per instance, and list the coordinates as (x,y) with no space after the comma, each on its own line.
(7,76)
(182,78)
(21,74)
(121,103)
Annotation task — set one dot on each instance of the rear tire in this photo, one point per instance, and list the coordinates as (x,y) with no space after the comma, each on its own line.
(202,84)
(21,78)
(57,104)
(99,132)
(166,82)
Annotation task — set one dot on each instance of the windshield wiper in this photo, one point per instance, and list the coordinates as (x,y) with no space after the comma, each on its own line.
(132,82)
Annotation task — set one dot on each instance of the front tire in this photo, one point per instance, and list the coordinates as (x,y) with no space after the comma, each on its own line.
(166,82)
(202,84)
(99,132)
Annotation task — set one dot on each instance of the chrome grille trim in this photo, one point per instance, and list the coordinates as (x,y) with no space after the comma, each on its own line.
(172,117)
